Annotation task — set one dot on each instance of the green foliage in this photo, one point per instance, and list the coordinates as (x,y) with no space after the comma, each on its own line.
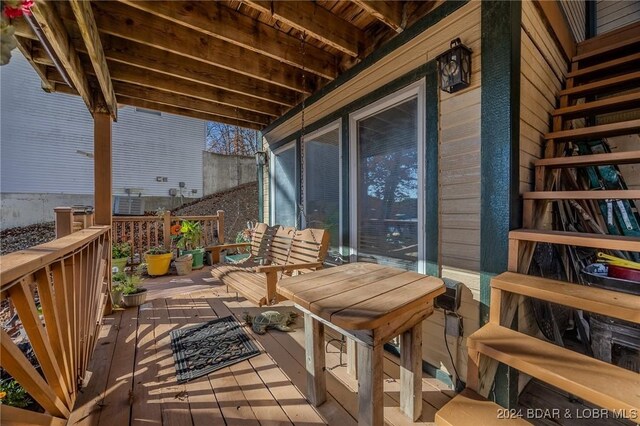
(120,250)
(190,235)
(157,250)
(11,393)
(127,284)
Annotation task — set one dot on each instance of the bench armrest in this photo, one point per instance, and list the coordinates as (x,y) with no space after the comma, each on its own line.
(215,250)
(277,268)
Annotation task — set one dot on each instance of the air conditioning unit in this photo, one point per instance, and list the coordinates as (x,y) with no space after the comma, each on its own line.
(128,206)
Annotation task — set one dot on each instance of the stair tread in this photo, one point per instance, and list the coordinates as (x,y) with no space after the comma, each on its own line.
(610,158)
(617,194)
(600,85)
(607,49)
(596,132)
(591,299)
(468,408)
(598,382)
(580,239)
(612,104)
(604,66)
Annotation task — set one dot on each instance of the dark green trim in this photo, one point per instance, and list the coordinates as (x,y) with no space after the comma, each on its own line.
(299,172)
(431,170)
(345,158)
(260,173)
(407,35)
(591,19)
(500,153)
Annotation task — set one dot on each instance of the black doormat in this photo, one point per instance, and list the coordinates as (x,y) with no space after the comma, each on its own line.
(204,348)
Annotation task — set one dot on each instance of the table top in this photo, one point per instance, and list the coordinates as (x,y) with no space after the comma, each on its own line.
(361,296)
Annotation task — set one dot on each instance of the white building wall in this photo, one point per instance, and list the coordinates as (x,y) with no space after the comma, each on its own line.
(613,14)
(46,143)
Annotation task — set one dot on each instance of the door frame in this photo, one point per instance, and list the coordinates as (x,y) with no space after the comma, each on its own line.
(415,90)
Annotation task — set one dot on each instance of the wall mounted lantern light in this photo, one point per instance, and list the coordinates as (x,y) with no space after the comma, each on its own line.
(454,67)
(261,158)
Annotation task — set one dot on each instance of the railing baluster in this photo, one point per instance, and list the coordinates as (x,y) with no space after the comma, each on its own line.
(25,305)
(19,367)
(52,322)
(62,303)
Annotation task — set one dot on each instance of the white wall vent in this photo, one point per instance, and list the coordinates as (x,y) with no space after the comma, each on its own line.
(128,206)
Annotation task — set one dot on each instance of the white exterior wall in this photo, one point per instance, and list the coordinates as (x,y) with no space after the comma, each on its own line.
(612,14)
(45,139)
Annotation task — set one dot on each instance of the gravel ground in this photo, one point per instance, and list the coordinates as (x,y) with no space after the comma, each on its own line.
(240,206)
(15,239)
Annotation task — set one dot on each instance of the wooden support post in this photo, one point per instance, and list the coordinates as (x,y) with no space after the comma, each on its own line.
(370,386)
(102,182)
(220,214)
(314,354)
(496,306)
(102,167)
(64,221)
(352,358)
(411,372)
(166,229)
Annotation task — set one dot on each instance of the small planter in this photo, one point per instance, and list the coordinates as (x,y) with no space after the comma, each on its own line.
(184,264)
(198,257)
(116,297)
(120,263)
(158,264)
(135,299)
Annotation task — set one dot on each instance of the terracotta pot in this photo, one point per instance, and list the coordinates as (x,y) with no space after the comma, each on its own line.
(135,299)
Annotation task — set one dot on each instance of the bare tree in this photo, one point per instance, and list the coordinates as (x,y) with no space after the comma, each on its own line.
(231,140)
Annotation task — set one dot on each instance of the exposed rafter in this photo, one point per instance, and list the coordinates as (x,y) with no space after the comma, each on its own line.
(126,22)
(25,47)
(217,20)
(53,29)
(89,31)
(138,103)
(315,21)
(391,13)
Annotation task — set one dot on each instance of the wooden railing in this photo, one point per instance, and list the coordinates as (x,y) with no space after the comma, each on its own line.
(67,280)
(144,232)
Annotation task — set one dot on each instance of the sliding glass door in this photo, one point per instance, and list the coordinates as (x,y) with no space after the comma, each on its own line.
(387,188)
(283,186)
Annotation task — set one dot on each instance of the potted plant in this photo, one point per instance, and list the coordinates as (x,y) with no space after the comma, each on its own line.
(158,260)
(120,253)
(11,393)
(118,280)
(132,293)
(188,241)
(184,264)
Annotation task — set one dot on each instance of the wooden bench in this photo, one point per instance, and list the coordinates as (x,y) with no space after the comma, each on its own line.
(258,246)
(469,408)
(289,252)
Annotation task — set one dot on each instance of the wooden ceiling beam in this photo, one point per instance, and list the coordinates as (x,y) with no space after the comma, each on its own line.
(135,25)
(315,21)
(25,47)
(391,13)
(89,31)
(139,103)
(224,23)
(153,80)
(54,31)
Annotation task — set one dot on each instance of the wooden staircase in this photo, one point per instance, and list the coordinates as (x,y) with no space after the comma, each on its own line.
(604,79)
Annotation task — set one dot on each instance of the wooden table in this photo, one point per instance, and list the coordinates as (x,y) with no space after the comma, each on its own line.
(370,304)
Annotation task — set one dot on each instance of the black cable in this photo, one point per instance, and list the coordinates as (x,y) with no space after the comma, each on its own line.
(458,382)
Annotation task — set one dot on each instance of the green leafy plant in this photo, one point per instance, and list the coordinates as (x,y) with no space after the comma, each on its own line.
(128,284)
(157,250)
(120,250)
(118,281)
(11,393)
(190,235)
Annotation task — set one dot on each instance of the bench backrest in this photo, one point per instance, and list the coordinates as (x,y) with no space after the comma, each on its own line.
(308,246)
(261,239)
(280,245)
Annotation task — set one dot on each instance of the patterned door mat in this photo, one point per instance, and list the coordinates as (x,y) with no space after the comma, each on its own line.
(204,348)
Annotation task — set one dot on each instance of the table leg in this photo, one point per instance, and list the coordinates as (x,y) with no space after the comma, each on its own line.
(352,358)
(411,372)
(314,354)
(370,386)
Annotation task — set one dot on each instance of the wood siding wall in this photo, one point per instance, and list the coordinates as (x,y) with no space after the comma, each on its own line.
(612,14)
(575,12)
(543,71)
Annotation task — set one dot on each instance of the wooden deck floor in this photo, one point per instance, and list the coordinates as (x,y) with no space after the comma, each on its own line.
(132,378)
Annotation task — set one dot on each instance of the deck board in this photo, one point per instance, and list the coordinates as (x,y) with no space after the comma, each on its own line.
(134,380)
